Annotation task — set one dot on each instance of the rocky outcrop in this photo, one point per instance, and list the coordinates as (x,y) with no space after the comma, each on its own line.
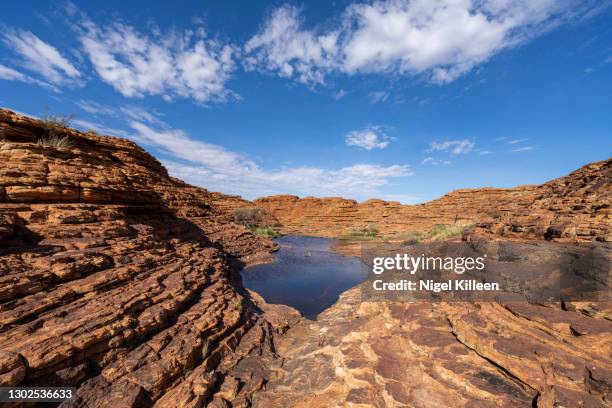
(230,204)
(444,354)
(575,207)
(122,281)
(119,279)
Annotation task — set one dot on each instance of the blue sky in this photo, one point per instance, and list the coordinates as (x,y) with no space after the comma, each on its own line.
(400,100)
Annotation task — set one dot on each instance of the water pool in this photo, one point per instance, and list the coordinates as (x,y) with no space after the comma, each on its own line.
(306,275)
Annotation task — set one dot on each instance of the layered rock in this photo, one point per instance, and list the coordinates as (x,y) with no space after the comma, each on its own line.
(440,354)
(120,280)
(575,207)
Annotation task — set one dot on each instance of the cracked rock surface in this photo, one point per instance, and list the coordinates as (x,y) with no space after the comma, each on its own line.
(121,280)
(436,354)
(576,207)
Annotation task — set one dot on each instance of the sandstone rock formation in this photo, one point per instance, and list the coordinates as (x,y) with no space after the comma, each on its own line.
(465,354)
(118,279)
(575,207)
(439,354)
(122,281)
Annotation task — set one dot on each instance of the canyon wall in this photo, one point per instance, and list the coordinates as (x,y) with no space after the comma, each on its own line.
(123,281)
(118,279)
(574,207)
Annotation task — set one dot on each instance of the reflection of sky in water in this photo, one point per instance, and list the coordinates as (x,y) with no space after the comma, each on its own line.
(306,275)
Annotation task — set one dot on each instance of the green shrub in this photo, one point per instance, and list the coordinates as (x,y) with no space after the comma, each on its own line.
(269,232)
(440,232)
(55,131)
(59,142)
(410,238)
(437,229)
(249,217)
(362,234)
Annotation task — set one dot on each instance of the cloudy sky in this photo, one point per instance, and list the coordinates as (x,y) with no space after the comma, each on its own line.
(397,99)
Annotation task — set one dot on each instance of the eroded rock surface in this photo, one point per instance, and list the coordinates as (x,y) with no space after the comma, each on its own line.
(118,279)
(445,354)
(574,207)
(121,280)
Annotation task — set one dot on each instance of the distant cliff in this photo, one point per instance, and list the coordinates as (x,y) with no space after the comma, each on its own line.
(123,281)
(574,207)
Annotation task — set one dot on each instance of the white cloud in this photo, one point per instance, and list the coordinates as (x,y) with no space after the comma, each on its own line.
(171,65)
(439,39)
(340,94)
(523,149)
(456,147)
(41,58)
(402,198)
(368,139)
(484,152)
(125,113)
(218,169)
(358,181)
(140,114)
(177,143)
(516,141)
(12,75)
(434,161)
(87,125)
(285,48)
(95,108)
(378,96)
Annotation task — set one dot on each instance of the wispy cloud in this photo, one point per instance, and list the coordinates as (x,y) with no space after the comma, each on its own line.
(378,96)
(39,57)
(402,198)
(216,168)
(455,147)
(340,94)
(523,149)
(441,40)
(87,125)
(368,139)
(433,161)
(516,143)
(10,74)
(171,65)
(357,181)
(124,113)
(95,108)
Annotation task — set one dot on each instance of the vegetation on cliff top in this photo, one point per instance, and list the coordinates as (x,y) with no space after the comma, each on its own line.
(254,219)
(363,234)
(438,232)
(270,232)
(54,131)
